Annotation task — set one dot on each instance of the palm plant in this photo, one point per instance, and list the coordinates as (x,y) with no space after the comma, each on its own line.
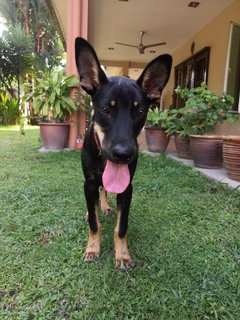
(35,18)
(31,43)
(10,11)
(17,58)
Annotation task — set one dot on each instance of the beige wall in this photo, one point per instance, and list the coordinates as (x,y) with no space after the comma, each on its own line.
(216,36)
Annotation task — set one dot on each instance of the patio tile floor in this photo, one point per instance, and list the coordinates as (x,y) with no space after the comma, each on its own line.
(213,174)
(219,175)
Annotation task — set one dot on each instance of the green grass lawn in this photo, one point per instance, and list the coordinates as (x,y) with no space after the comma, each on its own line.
(184,236)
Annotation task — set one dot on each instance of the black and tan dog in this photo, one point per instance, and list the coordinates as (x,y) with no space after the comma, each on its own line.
(110,150)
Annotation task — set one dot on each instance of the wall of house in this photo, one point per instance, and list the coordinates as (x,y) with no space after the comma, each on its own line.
(215,35)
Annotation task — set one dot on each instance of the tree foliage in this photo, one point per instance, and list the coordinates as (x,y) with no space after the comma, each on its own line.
(16,57)
(31,42)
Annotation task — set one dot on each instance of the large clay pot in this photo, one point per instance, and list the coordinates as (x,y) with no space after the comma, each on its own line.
(183,146)
(54,135)
(157,139)
(206,151)
(231,156)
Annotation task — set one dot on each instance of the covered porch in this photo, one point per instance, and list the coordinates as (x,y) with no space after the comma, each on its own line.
(186,27)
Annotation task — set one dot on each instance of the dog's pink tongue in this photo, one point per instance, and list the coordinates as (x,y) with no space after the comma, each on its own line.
(116,177)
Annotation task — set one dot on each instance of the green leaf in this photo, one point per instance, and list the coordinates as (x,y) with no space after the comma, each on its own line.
(55,78)
(57,108)
(4,97)
(69,102)
(37,105)
(71,82)
(45,108)
(52,98)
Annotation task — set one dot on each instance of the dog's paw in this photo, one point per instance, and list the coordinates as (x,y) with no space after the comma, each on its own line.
(124,263)
(91,256)
(108,211)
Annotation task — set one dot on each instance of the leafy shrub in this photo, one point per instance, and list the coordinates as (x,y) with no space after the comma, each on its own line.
(9,110)
(51,95)
(202,111)
(157,118)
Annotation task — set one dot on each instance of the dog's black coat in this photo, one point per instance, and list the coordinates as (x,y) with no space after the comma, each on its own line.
(120,108)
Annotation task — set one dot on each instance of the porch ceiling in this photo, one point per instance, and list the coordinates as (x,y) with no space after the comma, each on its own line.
(171,21)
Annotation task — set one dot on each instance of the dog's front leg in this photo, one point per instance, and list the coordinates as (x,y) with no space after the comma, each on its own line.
(122,256)
(92,198)
(104,202)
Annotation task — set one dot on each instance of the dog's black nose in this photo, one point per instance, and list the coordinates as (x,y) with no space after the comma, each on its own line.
(122,154)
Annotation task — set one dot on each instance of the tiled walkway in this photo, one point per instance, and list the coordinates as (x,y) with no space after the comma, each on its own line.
(213,174)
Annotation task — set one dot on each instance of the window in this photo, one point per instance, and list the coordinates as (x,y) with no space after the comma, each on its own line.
(191,73)
(232,82)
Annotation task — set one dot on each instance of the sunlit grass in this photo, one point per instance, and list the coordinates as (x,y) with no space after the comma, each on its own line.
(183,236)
(17,128)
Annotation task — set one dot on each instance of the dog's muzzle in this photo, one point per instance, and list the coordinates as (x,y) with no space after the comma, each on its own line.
(122,153)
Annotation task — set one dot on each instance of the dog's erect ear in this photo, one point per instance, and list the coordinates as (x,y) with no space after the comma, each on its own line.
(89,68)
(155,76)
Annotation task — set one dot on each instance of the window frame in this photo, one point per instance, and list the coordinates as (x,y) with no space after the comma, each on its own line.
(232,24)
(181,73)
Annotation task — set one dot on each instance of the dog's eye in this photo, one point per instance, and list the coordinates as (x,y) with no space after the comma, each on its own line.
(105,110)
(141,113)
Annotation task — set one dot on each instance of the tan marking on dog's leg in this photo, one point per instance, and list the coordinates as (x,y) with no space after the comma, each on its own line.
(93,247)
(122,256)
(105,208)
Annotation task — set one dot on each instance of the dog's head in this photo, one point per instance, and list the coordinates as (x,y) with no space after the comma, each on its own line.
(120,104)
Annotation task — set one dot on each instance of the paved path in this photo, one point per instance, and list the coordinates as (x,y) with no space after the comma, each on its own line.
(213,174)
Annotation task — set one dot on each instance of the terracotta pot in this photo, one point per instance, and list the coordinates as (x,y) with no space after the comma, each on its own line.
(231,156)
(157,139)
(54,135)
(206,151)
(183,146)
(79,144)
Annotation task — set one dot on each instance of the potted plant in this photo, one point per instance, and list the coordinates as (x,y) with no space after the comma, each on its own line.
(231,156)
(202,110)
(156,125)
(79,142)
(175,127)
(86,106)
(51,100)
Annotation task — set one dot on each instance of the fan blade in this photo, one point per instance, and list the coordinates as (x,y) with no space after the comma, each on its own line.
(154,45)
(125,44)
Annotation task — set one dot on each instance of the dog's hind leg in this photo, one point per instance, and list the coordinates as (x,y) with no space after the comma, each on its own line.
(122,256)
(105,208)
(92,198)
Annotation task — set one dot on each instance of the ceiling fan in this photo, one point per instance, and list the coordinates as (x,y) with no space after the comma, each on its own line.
(141,47)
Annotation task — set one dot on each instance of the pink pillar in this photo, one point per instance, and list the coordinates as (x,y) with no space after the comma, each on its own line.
(77,25)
